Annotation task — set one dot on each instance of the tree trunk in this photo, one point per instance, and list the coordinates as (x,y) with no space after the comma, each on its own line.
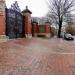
(59,30)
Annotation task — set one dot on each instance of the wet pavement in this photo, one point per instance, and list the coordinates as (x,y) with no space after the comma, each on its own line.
(37,56)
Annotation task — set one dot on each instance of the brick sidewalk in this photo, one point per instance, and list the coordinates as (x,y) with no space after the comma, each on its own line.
(37,56)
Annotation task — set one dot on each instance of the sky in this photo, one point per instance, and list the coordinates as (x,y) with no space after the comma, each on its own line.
(38,7)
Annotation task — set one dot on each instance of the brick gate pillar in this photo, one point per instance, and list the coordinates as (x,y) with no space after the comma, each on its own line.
(2,19)
(35,29)
(47,30)
(27,19)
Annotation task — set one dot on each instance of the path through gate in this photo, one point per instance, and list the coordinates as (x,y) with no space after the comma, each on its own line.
(14,24)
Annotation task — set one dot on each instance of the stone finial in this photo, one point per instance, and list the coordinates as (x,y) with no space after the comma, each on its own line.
(26,7)
(26,10)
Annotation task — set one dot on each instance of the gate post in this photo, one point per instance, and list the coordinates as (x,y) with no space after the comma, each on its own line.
(34,29)
(27,20)
(2,19)
(47,29)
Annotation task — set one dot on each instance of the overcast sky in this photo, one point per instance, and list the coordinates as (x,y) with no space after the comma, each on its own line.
(38,7)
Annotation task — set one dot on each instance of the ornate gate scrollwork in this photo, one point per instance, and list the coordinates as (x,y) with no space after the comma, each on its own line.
(14,22)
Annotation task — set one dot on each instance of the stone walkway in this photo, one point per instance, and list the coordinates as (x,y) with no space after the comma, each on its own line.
(37,56)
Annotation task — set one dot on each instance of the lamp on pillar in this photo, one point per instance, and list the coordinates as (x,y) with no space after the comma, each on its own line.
(27,19)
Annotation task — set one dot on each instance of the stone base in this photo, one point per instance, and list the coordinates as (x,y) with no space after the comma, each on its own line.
(47,35)
(28,35)
(3,38)
(35,35)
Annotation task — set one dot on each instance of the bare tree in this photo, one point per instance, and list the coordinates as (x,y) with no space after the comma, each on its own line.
(58,10)
(69,19)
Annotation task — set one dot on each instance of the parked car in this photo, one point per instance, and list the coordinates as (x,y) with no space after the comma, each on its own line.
(68,36)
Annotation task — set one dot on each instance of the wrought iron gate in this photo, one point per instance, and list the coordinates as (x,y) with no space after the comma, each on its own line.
(14,24)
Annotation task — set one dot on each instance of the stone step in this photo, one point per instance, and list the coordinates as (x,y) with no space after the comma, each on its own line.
(3,38)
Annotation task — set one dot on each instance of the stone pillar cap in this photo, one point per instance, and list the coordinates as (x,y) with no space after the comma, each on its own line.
(26,10)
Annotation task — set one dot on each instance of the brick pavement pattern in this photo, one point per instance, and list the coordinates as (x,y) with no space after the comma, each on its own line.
(37,56)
